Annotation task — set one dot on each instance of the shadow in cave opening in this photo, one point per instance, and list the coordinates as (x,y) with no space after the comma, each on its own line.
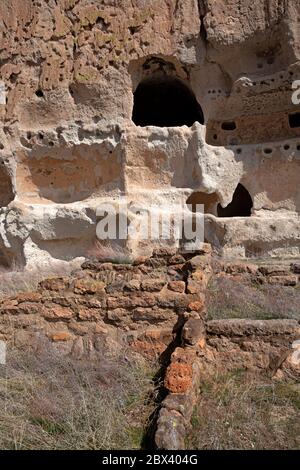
(165,102)
(240,206)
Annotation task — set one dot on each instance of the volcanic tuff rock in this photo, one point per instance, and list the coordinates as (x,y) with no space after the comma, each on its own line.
(160,101)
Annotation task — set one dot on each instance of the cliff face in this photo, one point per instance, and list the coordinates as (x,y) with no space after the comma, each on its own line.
(82,80)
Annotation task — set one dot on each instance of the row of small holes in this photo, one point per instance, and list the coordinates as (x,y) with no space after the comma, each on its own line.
(40,136)
(268,151)
(263,82)
(286,147)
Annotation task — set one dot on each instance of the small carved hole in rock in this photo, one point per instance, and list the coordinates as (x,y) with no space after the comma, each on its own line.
(103,25)
(134,29)
(240,206)
(286,147)
(228,126)
(39,93)
(298,148)
(268,151)
(215,136)
(294,120)
(165,101)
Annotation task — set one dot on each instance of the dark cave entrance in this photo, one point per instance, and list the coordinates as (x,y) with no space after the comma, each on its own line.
(294,120)
(241,205)
(165,102)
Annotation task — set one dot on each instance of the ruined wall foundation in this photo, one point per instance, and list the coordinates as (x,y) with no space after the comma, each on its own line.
(156,307)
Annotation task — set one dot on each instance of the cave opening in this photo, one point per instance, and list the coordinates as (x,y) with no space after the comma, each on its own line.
(294,120)
(165,101)
(240,206)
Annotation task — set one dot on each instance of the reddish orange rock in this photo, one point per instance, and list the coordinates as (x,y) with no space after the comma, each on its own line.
(197,305)
(176,286)
(30,307)
(100,329)
(153,342)
(179,377)
(183,355)
(159,334)
(54,284)
(139,260)
(88,286)
(28,297)
(201,343)
(88,314)
(199,276)
(10,310)
(57,313)
(61,336)
(194,287)
(153,285)
(150,350)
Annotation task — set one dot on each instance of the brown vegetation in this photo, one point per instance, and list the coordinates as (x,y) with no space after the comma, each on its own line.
(246,411)
(231,298)
(48,401)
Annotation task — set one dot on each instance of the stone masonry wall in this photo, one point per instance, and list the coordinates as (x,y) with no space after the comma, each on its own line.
(156,306)
(144,304)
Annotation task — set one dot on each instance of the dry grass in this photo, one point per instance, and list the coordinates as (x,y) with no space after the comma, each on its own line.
(52,402)
(106,252)
(229,298)
(16,279)
(240,411)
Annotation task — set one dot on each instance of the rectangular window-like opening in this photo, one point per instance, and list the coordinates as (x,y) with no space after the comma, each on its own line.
(294,120)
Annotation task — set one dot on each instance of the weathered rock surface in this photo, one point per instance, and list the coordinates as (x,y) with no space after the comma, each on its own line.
(69,138)
(245,327)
